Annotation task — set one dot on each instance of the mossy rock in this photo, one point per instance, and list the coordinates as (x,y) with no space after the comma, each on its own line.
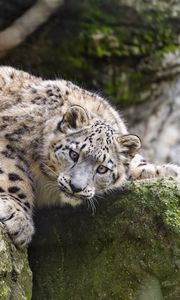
(130,249)
(15,274)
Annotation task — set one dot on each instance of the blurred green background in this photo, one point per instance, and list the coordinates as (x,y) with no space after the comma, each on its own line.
(114,47)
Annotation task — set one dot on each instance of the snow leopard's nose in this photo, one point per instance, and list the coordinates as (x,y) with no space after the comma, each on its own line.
(75,187)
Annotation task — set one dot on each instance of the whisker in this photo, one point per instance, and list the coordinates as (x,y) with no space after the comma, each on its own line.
(92,206)
(53,172)
(99,196)
(52,186)
(88,204)
(95,200)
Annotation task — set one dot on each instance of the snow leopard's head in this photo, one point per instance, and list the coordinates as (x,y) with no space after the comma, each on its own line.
(86,158)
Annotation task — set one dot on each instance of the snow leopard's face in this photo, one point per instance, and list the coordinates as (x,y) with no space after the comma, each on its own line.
(87,160)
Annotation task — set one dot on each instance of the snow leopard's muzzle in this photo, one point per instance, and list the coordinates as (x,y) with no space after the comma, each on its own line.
(78,181)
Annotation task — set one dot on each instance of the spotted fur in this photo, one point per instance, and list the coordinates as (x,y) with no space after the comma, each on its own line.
(60,144)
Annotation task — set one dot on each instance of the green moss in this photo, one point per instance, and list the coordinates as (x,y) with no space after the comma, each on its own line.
(15,275)
(130,243)
(4,290)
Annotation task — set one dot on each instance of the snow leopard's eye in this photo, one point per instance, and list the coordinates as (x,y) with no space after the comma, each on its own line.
(73,155)
(102,169)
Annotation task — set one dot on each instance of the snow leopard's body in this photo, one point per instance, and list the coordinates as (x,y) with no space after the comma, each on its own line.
(60,144)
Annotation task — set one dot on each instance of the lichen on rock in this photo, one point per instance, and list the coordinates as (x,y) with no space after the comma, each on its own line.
(15,274)
(131,245)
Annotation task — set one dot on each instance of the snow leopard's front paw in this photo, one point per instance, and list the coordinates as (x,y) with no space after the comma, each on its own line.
(139,168)
(18,222)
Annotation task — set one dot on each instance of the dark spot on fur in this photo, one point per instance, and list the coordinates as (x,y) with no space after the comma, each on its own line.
(2,127)
(21,158)
(10,217)
(1,190)
(27,204)
(35,156)
(14,177)
(21,168)
(8,154)
(22,196)
(13,189)
(15,233)
(83,146)
(10,148)
(1,171)
(142,164)
(14,197)
(58,147)
(59,125)
(114,177)
(50,93)
(18,100)
(143,172)
(15,135)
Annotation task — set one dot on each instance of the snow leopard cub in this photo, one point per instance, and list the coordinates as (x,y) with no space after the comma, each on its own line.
(60,144)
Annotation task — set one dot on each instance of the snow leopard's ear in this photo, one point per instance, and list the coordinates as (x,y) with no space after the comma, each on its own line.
(129,144)
(75,117)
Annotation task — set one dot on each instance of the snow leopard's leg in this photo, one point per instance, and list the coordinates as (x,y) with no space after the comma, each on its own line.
(139,169)
(16,196)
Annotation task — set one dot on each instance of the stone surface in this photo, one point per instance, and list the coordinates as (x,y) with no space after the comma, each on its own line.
(130,249)
(157,122)
(15,274)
